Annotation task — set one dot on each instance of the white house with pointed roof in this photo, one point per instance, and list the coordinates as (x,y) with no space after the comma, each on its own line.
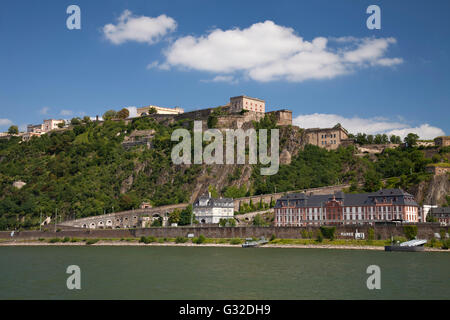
(210,210)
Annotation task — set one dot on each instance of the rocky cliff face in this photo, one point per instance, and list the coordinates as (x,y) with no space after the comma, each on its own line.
(220,176)
(433,191)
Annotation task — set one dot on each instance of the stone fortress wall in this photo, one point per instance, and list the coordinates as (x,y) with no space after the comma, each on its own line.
(381,231)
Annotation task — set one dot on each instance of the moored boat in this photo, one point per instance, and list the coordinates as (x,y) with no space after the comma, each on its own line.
(250,243)
(408,246)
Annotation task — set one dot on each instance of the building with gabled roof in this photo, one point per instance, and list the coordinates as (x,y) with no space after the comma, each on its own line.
(442,215)
(210,210)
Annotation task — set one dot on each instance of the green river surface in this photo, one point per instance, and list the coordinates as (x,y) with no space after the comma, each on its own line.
(156,272)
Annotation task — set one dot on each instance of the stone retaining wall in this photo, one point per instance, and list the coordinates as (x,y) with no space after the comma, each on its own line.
(425,231)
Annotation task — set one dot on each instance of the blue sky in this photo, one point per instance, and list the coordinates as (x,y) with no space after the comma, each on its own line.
(316,58)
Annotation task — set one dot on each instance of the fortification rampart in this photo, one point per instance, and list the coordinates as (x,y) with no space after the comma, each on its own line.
(124,219)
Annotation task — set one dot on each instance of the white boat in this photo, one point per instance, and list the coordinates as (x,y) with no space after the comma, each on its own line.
(410,246)
(250,243)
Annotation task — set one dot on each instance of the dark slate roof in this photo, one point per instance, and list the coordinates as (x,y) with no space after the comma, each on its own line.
(394,196)
(213,202)
(440,211)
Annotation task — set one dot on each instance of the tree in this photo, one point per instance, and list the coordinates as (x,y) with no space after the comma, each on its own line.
(174,216)
(212,189)
(395,139)
(75,121)
(186,216)
(123,114)
(110,114)
(157,222)
(377,139)
(372,181)
(13,130)
(86,119)
(212,121)
(152,110)
(361,138)
(258,221)
(411,139)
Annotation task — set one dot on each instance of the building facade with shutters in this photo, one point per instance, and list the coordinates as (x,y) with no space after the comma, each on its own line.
(240,103)
(209,210)
(299,209)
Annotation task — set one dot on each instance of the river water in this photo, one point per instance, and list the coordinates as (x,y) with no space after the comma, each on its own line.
(113,272)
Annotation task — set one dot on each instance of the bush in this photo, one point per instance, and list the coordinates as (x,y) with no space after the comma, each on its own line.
(201,239)
(445,244)
(319,237)
(74,240)
(180,240)
(54,240)
(370,234)
(41,239)
(147,239)
(66,239)
(272,237)
(304,233)
(235,241)
(91,241)
(212,121)
(433,242)
(410,232)
(328,232)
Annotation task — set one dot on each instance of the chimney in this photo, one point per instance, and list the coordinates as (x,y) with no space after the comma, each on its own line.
(96,118)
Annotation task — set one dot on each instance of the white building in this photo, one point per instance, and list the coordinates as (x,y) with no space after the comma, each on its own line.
(210,210)
(424,212)
(144,111)
(51,124)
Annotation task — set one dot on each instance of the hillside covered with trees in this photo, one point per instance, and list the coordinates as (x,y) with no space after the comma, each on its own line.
(85,171)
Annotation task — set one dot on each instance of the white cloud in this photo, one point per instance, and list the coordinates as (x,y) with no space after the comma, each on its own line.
(152,65)
(138,28)
(424,131)
(220,78)
(5,122)
(367,125)
(44,110)
(66,113)
(266,51)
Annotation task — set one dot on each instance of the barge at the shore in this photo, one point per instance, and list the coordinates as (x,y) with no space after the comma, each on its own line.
(408,246)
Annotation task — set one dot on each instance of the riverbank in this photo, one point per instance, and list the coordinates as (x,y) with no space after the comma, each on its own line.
(136,242)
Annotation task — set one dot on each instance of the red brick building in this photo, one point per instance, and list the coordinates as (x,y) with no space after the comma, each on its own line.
(299,209)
